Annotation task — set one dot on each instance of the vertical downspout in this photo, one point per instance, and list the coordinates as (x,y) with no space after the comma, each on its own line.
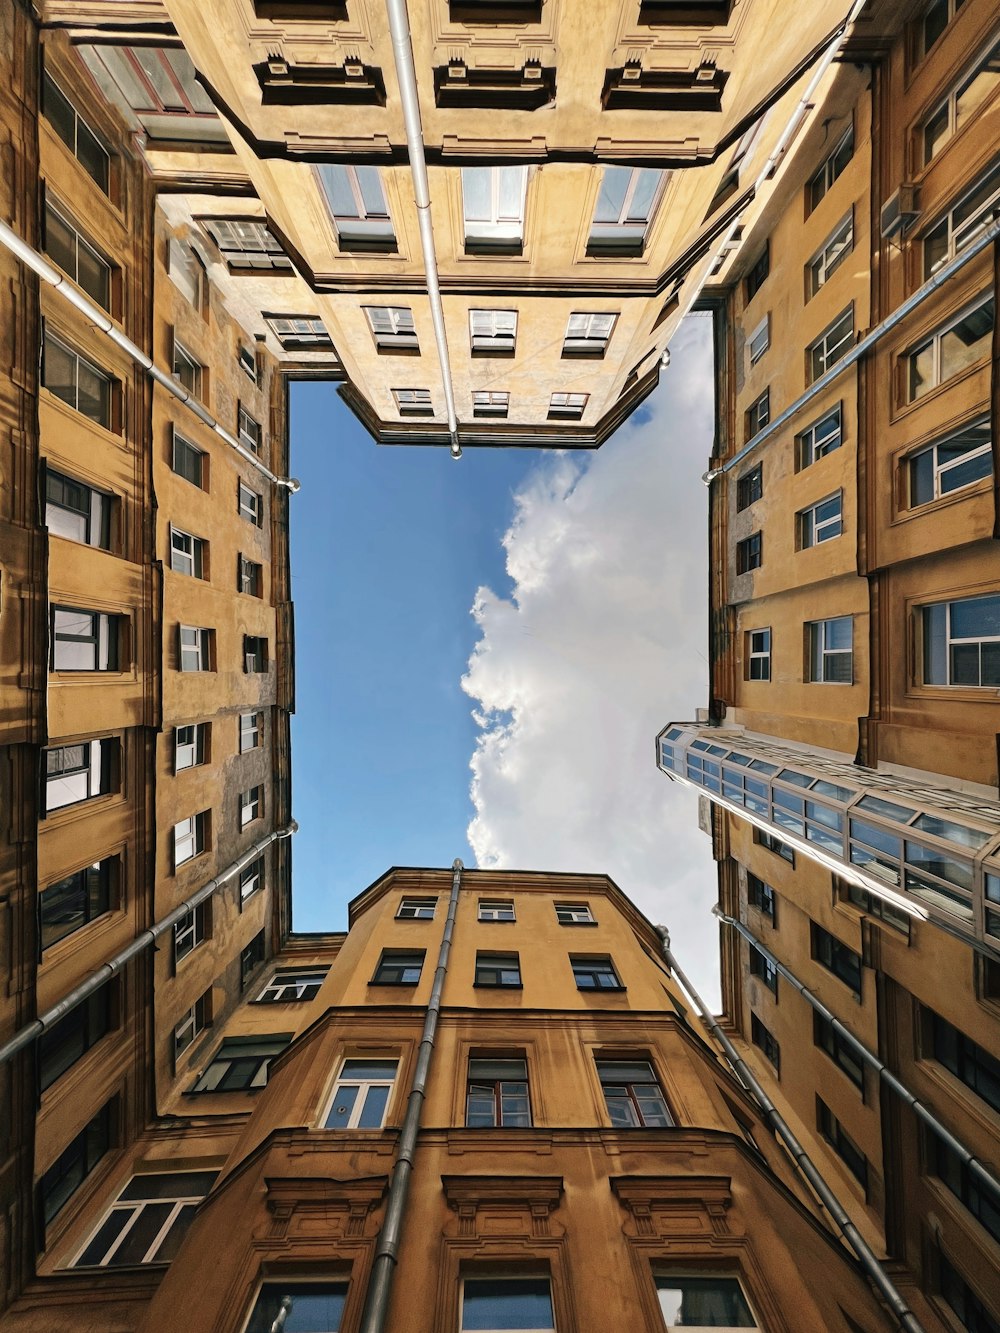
(887,1289)
(387,1248)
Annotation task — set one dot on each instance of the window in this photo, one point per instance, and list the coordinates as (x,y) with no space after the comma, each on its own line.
(413,402)
(398,968)
(357,204)
(493,332)
(251,958)
(490,403)
(185,271)
(392,327)
(84,640)
(249,576)
(73,1035)
(762,967)
(520,1304)
(248,431)
(831,650)
(251,802)
(361,1094)
(964,101)
(190,838)
(187,553)
(961,642)
(248,362)
(967,1060)
(955,1174)
(246,244)
(936,17)
(574,914)
(77,258)
(749,553)
(190,931)
(764,1040)
(496,910)
(298,1305)
(249,504)
(960,1297)
(632,1095)
(958,460)
(874,906)
(75,1163)
(702,1303)
(417,909)
(493,200)
(75,133)
(193,1024)
(834,342)
(498,969)
(758,649)
(75,773)
(950,350)
(73,902)
(831,170)
(773,844)
(828,1039)
(595,973)
(625,206)
(750,487)
(844,1146)
(837,958)
(251,729)
(251,879)
(832,254)
(567,406)
(758,414)
(254,654)
(148,1220)
(761,896)
(296,332)
(588,335)
(821,521)
(194,648)
(240,1064)
(188,462)
(159,83)
(497,1094)
(291,984)
(757,275)
(76,511)
(819,439)
(760,340)
(188,369)
(963,220)
(77,382)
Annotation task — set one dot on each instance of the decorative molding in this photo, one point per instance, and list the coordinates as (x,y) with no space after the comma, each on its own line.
(496,1206)
(342,1206)
(674,1205)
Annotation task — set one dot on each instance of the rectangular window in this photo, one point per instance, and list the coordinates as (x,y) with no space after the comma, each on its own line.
(85,640)
(625,206)
(832,254)
(187,553)
(76,511)
(757,275)
(595,973)
(965,99)
(764,1040)
(758,650)
(828,1039)
(249,576)
(186,272)
(703,1303)
(875,906)
(290,985)
(959,459)
(188,369)
(148,1220)
(762,967)
(298,1305)
(761,896)
(837,958)
(960,225)
(247,245)
(251,729)
(240,1064)
(496,910)
(361,1094)
(251,879)
(251,805)
(819,439)
(190,931)
(493,332)
(73,1035)
(759,340)
(248,431)
(520,1304)
(77,382)
(298,332)
(633,1095)
(77,258)
(773,844)
(574,914)
(821,521)
(498,969)
(588,334)
(160,84)
(190,837)
(493,203)
(490,403)
(961,642)
(254,654)
(251,958)
(834,342)
(356,201)
(194,648)
(248,363)
(749,553)
(398,967)
(758,414)
(936,17)
(413,402)
(75,1163)
(844,1146)
(955,1174)
(193,1024)
(831,650)
(75,773)
(392,327)
(750,487)
(567,406)
(75,133)
(950,350)
(250,504)
(968,1061)
(496,1095)
(831,170)
(188,462)
(961,1298)
(73,902)
(416,909)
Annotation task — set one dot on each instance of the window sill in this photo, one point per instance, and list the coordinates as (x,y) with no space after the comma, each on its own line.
(602,990)
(984,487)
(578,923)
(404,985)
(497,985)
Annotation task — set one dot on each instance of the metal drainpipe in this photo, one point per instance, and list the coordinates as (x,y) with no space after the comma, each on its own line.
(406,78)
(387,1248)
(902,1313)
(141,942)
(982,1174)
(19,247)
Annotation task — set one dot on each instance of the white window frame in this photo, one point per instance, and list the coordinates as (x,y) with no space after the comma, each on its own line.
(831,254)
(392,326)
(250,504)
(759,340)
(299,330)
(230,1052)
(364,1086)
(957,231)
(190,745)
(950,640)
(103,180)
(104,299)
(187,553)
(829,173)
(574,914)
(179,445)
(416,909)
(507,1276)
(251,727)
(105,633)
(820,655)
(500,228)
(251,805)
(570,406)
(247,244)
(934,341)
(627,232)
(80,778)
(185,270)
(490,403)
(250,576)
(196,653)
(496,909)
(949,106)
(249,431)
(414,402)
(493,331)
(189,932)
(104,418)
(759,413)
(813,529)
(192,1025)
(136,1207)
(361,228)
(816,441)
(188,839)
(187,369)
(834,342)
(248,362)
(302,982)
(588,332)
(922,45)
(759,651)
(250,659)
(252,879)
(661,1274)
(940,471)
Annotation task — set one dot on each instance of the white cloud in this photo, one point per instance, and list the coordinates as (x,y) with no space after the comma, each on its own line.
(601,642)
